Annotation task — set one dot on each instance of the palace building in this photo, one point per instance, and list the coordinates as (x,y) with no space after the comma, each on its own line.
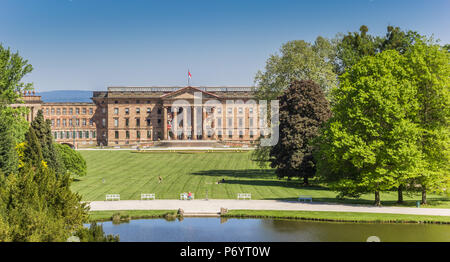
(146,116)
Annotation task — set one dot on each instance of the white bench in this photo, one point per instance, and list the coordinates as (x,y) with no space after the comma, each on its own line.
(184,196)
(113,197)
(244,196)
(147,196)
(304,198)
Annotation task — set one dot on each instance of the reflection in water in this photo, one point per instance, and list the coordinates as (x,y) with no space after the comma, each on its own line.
(215,229)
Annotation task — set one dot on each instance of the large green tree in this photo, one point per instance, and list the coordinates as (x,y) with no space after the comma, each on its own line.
(370,143)
(303,110)
(43,132)
(429,66)
(12,69)
(73,161)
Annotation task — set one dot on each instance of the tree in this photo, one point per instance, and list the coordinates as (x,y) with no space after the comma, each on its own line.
(12,69)
(370,143)
(298,60)
(95,233)
(429,65)
(8,155)
(303,109)
(73,161)
(43,132)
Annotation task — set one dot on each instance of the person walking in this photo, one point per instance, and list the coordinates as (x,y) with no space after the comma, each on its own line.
(159,180)
(189,196)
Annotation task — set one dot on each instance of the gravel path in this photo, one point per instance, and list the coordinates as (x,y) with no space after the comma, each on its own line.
(213,206)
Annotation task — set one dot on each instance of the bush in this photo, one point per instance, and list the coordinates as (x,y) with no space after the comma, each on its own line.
(73,162)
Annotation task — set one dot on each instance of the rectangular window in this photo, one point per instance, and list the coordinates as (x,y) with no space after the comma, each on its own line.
(84,121)
(219,122)
(78,122)
(58,111)
(70,122)
(230,110)
(84,111)
(230,134)
(241,122)
(149,122)
(64,111)
(138,134)
(91,122)
(149,110)
(127,111)
(58,122)
(219,110)
(116,111)
(80,134)
(61,134)
(250,110)
(250,122)
(103,122)
(55,134)
(74,135)
(46,110)
(53,111)
(127,134)
(91,111)
(86,134)
(241,134)
(116,122)
(64,122)
(77,111)
(71,111)
(127,121)
(94,133)
(149,134)
(230,122)
(67,134)
(240,110)
(138,110)
(116,134)
(138,122)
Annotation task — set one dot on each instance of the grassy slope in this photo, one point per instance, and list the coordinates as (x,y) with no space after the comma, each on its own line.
(130,174)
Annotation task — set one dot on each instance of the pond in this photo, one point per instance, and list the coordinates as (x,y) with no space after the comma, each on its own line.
(269,230)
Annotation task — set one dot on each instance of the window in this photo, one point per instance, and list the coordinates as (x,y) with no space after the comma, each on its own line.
(127,121)
(70,122)
(58,122)
(116,111)
(67,134)
(64,122)
(127,111)
(138,110)
(91,122)
(127,134)
(53,122)
(91,111)
(219,110)
(84,111)
(149,110)
(149,122)
(219,134)
(250,122)
(240,110)
(94,134)
(77,111)
(53,111)
(61,134)
(240,122)
(230,122)
(230,110)
(55,134)
(84,121)
(116,122)
(138,134)
(58,111)
(250,110)
(149,134)
(80,134)
(103,122)
(241,134)
(71,111)
(116,102)
(46,111)
(219,122)
(116,134)
(74,135)
(230,134)
(64,111)
(78,122)
(86,134)
(251,133)
(138,122)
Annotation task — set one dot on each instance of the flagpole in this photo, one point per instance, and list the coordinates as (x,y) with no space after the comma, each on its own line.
(189,83)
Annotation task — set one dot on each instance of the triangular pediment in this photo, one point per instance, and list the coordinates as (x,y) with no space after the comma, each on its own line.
(187,93)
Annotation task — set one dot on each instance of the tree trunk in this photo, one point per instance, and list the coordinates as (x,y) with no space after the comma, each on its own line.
(424,196)
(377,199)
(400,194)
(305,180)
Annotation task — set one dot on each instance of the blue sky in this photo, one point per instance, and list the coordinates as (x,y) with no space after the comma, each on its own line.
(92,44)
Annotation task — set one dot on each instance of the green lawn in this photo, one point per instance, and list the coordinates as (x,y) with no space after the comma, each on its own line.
(129,174)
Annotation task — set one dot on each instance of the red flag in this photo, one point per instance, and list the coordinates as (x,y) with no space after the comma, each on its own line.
(189,74)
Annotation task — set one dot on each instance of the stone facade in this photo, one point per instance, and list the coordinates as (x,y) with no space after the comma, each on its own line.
(140,116)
